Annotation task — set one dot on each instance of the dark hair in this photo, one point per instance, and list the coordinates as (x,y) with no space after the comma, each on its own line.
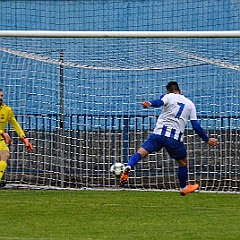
(172,87)
(1,90)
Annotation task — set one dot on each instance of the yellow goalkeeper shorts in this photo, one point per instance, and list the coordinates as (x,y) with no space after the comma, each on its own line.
(3,145)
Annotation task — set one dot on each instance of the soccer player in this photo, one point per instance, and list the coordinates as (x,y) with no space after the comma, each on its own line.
(168,134)
(7,116)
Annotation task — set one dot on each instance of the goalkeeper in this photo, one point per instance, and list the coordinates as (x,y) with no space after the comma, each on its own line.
(168,133)
(7,116)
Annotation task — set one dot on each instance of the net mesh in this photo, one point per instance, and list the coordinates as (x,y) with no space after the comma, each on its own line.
(78,101)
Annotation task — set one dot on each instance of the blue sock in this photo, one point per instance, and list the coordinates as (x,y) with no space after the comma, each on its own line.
(182,176)
(134,159)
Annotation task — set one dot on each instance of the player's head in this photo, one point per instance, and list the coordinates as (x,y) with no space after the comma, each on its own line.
(1,97)
(173,87)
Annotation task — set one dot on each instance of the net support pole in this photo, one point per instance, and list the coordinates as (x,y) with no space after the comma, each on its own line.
(61,83)
(125,138)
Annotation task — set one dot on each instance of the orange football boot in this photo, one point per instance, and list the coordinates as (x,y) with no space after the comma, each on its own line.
(124,177)
(189,189)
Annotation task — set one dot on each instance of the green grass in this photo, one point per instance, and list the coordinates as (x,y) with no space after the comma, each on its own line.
(51,214)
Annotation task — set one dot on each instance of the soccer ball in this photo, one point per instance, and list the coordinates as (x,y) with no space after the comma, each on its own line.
(116,169)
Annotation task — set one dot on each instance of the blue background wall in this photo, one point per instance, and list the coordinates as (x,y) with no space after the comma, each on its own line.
(120,15)
(214,89)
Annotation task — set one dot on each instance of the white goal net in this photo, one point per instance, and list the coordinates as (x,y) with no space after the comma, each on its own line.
(79,102)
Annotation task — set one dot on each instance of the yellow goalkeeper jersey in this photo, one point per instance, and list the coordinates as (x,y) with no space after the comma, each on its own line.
(7,116)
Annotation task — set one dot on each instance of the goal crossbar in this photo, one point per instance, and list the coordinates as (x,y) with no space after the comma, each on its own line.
(120,34)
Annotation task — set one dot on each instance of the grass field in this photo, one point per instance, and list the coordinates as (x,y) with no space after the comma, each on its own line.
(88,214)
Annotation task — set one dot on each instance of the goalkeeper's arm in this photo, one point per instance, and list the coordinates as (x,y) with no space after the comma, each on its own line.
(7,138)
(16,126)
(27,143)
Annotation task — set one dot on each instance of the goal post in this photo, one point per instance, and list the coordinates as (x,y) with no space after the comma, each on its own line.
(78,96)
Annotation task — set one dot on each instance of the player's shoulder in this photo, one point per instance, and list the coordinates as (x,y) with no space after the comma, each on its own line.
(187,100)
(178,96)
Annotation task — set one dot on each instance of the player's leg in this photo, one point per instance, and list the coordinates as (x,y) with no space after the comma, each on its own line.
(182,176)
(134,159)
(151,144)
(182,173)
(178,151)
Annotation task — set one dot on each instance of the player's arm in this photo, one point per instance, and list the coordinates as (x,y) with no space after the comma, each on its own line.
(154,103)
(198,129)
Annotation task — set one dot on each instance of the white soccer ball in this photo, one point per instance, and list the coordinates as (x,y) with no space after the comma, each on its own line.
(117,169)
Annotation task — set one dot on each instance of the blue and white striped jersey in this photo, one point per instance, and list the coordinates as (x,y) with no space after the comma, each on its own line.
(177,109)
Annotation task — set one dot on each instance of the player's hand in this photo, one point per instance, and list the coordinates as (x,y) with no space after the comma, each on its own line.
(212,142)
(27,143)
(7,138)
(146,104)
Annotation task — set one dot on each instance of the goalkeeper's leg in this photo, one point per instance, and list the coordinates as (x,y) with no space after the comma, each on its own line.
(3,166)
(4,156)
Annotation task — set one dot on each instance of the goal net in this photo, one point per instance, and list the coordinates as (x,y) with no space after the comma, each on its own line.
(79,102)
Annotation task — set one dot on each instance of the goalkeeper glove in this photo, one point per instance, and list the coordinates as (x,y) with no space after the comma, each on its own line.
(7,138)
(27,143)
